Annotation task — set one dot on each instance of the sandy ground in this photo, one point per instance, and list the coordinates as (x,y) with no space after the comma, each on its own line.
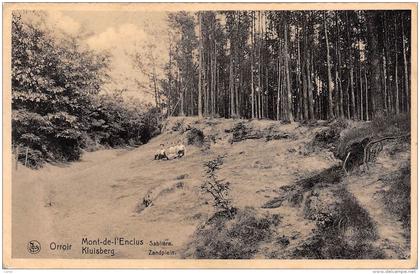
(367,188)
(98,196)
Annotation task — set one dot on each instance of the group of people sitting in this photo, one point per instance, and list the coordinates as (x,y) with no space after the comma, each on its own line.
(175,151)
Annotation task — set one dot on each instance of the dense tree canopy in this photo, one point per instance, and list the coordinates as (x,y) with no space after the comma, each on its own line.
(289,65)
(56,107)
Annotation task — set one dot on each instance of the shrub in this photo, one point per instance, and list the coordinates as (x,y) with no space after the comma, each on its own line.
(116,122)
(34,158)
(391,125)
(237,238)
(195,137)
(53,137)
(328,138)
(239,131)
(218,189)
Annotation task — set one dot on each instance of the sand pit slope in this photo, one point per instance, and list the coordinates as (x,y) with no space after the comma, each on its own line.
(156,207)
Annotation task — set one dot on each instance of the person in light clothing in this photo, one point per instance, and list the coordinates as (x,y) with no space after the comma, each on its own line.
(161,153)
(180,150)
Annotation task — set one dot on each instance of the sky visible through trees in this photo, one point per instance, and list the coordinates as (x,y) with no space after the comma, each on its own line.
(88,78)
(288,65)
(282,65)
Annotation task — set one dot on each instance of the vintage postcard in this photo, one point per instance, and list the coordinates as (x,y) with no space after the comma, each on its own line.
(192,135)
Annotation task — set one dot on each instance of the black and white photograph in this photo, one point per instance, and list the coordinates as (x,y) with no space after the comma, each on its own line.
(193,132)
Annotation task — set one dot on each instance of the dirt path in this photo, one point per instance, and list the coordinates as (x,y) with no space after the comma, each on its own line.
(367,188)
(97,197)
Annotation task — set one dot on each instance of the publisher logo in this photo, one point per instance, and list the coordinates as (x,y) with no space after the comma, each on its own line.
(34,247)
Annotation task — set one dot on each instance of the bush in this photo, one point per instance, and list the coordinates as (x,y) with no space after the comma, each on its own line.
(237,238)
(218,189)
(229,233)
(239,131)
(391,125)
(53,137)
(195,137)
(328,138)
(34,158)
(115,122)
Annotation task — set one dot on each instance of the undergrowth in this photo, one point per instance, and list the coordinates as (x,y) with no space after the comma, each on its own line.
(344,229)
(237,238)
(397,198)
(391,125)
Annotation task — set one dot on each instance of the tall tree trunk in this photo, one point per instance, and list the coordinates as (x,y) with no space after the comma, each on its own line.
(192,99)
(367,97)
(200,66)
(387,68)
(303,78)
(336,66)
(374,61)
(340,88)
(350,52)
(361,92)
(384,77)
(347,99)
(252,66)
(206,84)
(299,108)
(353,100)
(181,94)
(336,97)
(212,70)
(300,74)
(169,96)
(303,108)
(263,68)
(231,86)
(278,84)
(338,69)
(237,66)
(289,113)
(397,97)
(330,83)
(215,78)
(218,91)
(259,65)
(310,90)
(406,79)
(266,93)
(283,95)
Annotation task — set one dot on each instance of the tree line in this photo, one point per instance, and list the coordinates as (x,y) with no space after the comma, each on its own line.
(288,65)
(57,108)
